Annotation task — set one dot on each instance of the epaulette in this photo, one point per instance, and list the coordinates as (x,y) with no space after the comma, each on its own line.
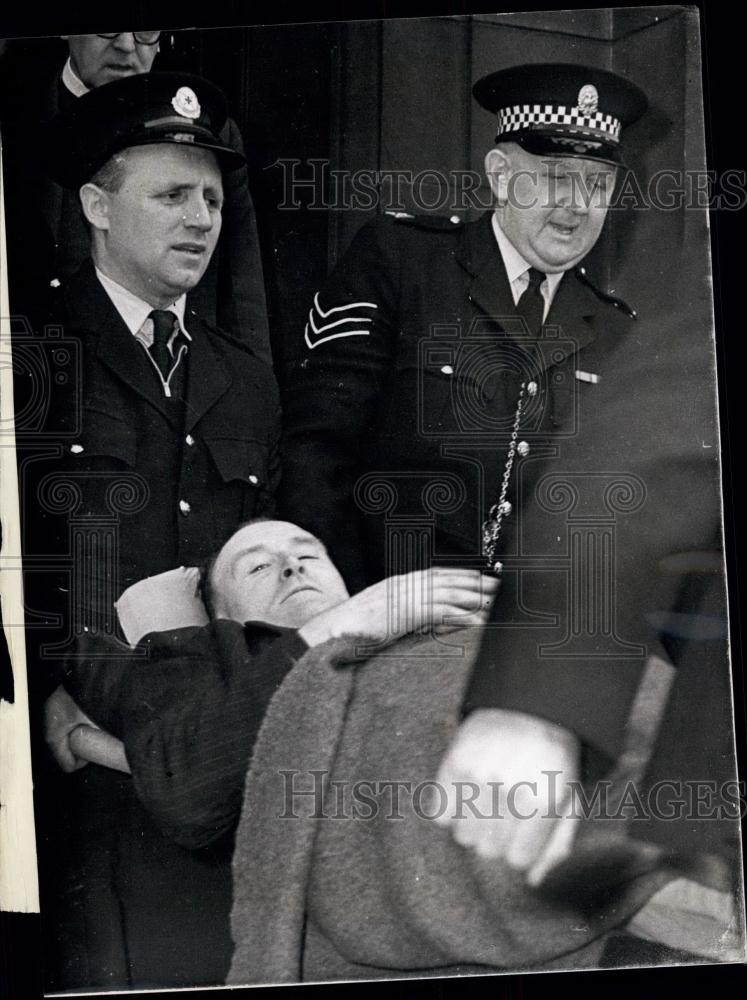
(612,300)
(441,223)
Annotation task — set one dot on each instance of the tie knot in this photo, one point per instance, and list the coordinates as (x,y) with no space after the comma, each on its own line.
(163,325)
(535,278)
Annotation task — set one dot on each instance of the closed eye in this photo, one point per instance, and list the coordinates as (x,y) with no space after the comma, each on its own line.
(258,567)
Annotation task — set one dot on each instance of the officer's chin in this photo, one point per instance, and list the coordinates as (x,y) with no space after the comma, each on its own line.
(185,281)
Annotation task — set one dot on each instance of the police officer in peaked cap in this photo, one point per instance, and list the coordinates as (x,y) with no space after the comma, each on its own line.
(166,428)
(447,369)
(48,239)
(438,361)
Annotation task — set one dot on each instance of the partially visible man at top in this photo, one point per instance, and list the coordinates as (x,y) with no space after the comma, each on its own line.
(231,292)
(162,440)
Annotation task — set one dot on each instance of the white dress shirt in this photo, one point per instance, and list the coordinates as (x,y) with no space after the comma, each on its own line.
(135,313)
(72,81)
(517,270)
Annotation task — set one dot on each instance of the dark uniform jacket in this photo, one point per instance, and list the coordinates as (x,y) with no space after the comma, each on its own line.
(120,483)
(48,238)
(399,414)
(170,479)
(188,710)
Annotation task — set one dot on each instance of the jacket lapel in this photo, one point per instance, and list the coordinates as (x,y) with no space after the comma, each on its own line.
(91,309)
(208,377)
(488,288)
(570,322)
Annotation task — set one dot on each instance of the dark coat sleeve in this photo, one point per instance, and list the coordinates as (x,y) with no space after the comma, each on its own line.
(640,431)
(188,706)
(330,398)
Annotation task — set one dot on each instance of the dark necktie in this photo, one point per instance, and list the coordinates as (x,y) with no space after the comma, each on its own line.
(531,305)
(163,329)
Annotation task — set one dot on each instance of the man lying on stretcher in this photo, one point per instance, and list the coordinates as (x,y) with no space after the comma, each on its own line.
(188,710)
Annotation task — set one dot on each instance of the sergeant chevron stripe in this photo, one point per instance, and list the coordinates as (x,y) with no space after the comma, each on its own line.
(316,331)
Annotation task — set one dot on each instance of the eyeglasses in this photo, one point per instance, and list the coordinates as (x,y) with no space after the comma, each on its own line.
(141,37)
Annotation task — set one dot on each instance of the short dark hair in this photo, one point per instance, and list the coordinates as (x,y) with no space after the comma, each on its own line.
(205,583)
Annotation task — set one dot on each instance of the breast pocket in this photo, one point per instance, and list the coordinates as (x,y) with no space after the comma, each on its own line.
(244,464)
(104,439)
(100,476)
(451,390)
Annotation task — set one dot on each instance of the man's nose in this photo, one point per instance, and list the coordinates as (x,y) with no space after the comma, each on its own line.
(573,196)
(125,41)
(293,566)
(198,214)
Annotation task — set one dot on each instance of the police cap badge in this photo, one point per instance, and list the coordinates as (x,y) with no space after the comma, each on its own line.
(562,109)
(136,111)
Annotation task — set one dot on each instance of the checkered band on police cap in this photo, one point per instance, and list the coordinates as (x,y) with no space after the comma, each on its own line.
(574,120)
(562,108)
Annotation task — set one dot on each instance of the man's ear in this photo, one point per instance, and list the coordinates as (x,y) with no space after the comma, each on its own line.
(95,204)
(497,170)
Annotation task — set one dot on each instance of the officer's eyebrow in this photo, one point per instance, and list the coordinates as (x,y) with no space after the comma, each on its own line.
(169,185)
(214,190)
(179,185)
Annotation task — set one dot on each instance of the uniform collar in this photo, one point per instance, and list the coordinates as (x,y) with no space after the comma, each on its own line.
(134,310)
(516,266)
(574,307)
(72,81)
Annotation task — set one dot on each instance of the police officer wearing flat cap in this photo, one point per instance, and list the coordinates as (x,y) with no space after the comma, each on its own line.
(440,359)
(164,443)
(46,233)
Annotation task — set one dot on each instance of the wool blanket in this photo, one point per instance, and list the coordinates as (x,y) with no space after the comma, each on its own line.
(340,870)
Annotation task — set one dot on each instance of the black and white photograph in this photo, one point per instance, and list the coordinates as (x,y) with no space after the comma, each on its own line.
(367,570)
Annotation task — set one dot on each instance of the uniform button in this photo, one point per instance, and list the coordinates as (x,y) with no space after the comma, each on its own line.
(189,440)
(76,449)
(447,370)
(454,220)
(253,480)
(185,507)
(532,388)
(523,448)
